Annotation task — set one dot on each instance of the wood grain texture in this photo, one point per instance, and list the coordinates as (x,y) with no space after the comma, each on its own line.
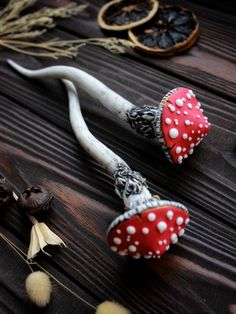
(198,275)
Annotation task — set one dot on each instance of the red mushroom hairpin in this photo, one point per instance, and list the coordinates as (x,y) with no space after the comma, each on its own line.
(178,123)
(149,225)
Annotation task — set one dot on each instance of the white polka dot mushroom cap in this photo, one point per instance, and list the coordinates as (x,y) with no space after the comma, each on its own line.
(183,125)
(148,230)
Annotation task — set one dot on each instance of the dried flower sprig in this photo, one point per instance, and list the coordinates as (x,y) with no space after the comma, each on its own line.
(16,31)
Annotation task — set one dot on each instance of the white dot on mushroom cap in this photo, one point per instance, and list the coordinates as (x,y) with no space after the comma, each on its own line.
(145,230)
(200,125)
(151,217)
(192,145)
(136,243)
(179,102)
(180,159)
(178,150)
(173,133)
(137,256)
(118,231)
(199,104)
(201,110)
(164,241)
(147,256)
(179,221)
(191,151)
(168,121)
(198,116)
(190,92)
(160,242)
(167,248)
(193,131)
(117,241)
(185,136)
(169,214)
(149,253)
(158,252)
(185,113)
(185,156)
(114,248)
(184,149)
(122,253)
(187,221)
(161,226)
(197,107)
(189,106)
(188,96)
(130,229)
(190,138)
(174,238)
(187,122)
(176,122)
(132,248)
(178,112)
(172,108)
(181,232)
(171,229)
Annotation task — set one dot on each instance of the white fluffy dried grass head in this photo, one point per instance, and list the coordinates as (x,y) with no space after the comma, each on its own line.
(39,288)
(109,307)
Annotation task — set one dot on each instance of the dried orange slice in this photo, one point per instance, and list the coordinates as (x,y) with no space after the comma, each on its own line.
(119,15)
(173,29)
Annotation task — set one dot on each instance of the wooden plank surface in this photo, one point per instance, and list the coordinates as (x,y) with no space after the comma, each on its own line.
(37,147)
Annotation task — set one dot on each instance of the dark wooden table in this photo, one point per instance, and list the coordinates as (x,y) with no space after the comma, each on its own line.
(37,146)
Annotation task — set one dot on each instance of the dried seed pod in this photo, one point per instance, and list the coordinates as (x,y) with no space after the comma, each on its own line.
(35,200)
(173,29)
(119,15)
(5,192)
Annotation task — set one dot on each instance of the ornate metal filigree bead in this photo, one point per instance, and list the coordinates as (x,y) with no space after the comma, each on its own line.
(128,182)
(144,120)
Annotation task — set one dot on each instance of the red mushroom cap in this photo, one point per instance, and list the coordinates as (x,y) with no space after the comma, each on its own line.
(148,232)
(183,124)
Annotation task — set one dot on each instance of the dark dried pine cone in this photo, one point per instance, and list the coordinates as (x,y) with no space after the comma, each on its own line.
(35,200)
(5,192)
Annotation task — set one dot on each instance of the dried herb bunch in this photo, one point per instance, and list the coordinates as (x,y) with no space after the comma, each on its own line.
(18,30)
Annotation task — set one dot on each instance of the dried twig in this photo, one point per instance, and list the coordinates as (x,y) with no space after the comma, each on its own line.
(16,30)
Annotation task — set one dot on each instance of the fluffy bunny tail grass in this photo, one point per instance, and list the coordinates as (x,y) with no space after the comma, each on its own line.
(109,307)
(38,287)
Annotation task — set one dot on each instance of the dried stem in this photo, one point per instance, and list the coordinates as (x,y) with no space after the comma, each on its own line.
(23,256)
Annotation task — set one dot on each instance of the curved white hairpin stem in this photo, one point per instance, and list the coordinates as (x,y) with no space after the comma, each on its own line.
(132,192)
(178,123)
(87,82)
